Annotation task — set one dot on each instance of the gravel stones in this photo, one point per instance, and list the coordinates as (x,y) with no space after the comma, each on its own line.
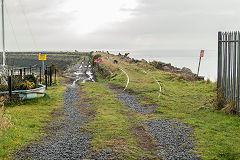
(64,141)
(133,104)
(173,139)
(65,138)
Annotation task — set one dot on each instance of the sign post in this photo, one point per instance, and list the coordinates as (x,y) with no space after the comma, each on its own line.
(42,57)
(201,55)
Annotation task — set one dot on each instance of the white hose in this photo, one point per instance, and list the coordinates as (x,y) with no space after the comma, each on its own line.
(127,78)
(160,88)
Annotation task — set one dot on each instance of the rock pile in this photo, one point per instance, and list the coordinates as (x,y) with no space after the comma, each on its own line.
(169,68)
(186,72)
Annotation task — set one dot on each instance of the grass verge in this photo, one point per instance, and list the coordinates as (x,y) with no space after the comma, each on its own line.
(112,124)
(217,134)
(27,119)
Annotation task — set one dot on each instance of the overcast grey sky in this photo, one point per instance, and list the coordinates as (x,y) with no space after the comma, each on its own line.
(118,24)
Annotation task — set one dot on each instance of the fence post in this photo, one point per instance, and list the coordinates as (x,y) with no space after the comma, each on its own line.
(30,69)
(10,87)
(40,76)
(238,71)
(46,82)
(219,79)
(55,81)
(24,71)
(21,74)
(50,76)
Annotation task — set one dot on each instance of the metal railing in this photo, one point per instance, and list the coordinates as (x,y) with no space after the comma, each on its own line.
(228,81)
(48,78)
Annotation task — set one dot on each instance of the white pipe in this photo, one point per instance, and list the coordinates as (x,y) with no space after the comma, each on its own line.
(160,88)
(127,78)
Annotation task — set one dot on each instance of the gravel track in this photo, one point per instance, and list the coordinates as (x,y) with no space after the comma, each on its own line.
(133,104)
(173,139)
(65,138)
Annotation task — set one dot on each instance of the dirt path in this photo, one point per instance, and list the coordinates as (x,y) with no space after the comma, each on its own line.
(64,138)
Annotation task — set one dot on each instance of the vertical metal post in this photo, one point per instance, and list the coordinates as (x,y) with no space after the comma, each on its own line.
(3,36)
(24,71)
(225,65)
(43,69)
(21,74)
(234,70)
(238,71)
(46,82)
(10,87)
(55,81)
(228,70)
(50,75)
(30,69)
(199,65)
(219,79)
(40,75)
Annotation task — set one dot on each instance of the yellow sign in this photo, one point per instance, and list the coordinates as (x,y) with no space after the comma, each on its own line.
(42,57)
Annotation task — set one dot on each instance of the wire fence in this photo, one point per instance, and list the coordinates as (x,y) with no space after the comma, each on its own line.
(228,82)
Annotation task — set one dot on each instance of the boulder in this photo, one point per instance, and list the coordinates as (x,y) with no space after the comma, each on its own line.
(166,68)
(186,70)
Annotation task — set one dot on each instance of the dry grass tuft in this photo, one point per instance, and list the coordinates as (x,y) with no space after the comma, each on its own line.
(219,101)
(228,109)
(4,121)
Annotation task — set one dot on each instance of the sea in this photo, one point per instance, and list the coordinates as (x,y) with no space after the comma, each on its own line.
(180,58)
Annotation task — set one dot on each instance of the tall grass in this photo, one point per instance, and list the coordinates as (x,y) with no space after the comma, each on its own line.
(4,120)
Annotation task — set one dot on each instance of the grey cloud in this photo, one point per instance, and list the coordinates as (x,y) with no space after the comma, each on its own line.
(155,24)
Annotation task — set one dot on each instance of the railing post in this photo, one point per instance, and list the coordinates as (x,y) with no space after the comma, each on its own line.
(50,74)
(40,75)
(21,74)
(46,81)
(10,87)
(55,81)
(219,78)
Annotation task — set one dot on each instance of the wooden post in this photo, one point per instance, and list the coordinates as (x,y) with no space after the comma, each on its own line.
(10,87)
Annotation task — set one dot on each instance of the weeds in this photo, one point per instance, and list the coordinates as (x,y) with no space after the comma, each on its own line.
(4,120)
(219,101)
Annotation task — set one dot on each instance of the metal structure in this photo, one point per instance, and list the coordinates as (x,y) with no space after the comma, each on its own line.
(3,36)
(229,67)
(3,67)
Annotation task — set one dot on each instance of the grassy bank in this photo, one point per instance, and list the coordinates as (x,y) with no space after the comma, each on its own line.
(217,134)
(112,126)
(27,119)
